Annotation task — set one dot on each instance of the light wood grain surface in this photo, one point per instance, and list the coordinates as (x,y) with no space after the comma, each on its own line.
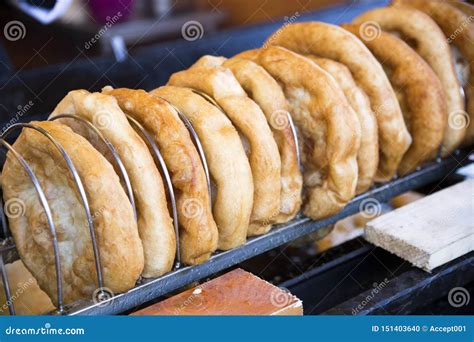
(431,231)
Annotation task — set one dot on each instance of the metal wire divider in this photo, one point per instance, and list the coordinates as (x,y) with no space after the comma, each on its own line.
(291,124)
(280,235)
(7,245)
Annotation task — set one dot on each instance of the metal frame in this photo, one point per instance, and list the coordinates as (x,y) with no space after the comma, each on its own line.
(123,172)
(148,289)
(279,235)
(128,74)
(197,143)
(49,217)
(159,161)
(293,129)
(110,147)
(44,203)
(162,165)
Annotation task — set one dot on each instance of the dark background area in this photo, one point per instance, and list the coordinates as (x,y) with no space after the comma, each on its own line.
(60,41)
(45,71)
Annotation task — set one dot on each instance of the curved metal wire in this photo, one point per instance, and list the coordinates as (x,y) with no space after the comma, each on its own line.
(208,98)
(80,188)
(3,219)
(49,218)
(211,100)
(295,138)
(6,245)
(7,240)
(111,148)
(6,287)
(169,185)
(197,143)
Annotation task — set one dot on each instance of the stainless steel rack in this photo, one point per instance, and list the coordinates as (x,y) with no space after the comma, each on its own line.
(19,89)
(151,289)
(7,244)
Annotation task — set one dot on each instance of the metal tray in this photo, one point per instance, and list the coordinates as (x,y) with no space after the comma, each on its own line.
(152,289)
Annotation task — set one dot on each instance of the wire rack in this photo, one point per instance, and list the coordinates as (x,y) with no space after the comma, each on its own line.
(149,289)
(104,302)
(7,244)
(102,294)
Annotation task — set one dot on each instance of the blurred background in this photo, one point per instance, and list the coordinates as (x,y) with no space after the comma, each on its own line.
(54,31)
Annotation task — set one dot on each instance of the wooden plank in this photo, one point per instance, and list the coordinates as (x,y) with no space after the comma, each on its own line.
(431,231)
(235,293)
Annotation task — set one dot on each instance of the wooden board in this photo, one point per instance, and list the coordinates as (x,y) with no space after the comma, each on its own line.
(235,293)
(431,231)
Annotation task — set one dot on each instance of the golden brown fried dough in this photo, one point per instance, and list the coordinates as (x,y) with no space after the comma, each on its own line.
(154,222)
(198,231)
(329,41)
(27,297)
(368,155)
(419,92)
(465,7)
(458,27)
(327,124)
(265,91)
(469,90)
(208,61)
(229,167)
(248,118)
(121,252)
(420,32)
